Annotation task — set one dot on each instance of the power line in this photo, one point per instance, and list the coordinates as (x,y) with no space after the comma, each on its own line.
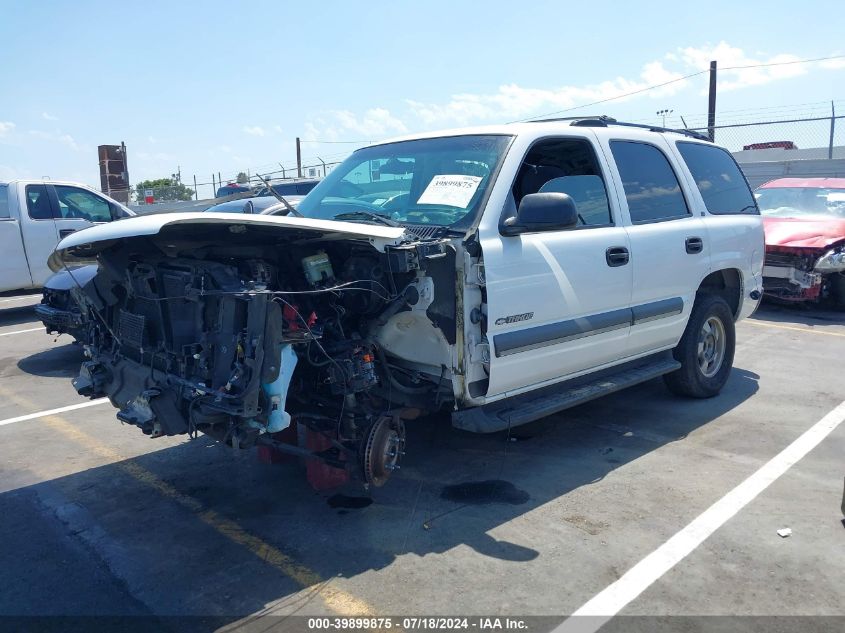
(672,81)
(796,61)
(622,96)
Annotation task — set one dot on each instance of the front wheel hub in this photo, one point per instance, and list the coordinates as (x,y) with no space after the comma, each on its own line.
(383,448)
(712,342)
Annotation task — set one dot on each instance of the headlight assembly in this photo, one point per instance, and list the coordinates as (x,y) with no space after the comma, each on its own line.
(832,261)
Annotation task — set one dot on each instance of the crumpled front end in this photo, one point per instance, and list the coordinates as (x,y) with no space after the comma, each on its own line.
(242,332)
(805,274)
(789,274)
(60,310)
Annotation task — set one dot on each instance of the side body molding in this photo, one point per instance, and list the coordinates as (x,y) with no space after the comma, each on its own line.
(552,333)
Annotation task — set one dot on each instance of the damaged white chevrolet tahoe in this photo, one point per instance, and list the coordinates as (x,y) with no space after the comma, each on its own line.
(505,273)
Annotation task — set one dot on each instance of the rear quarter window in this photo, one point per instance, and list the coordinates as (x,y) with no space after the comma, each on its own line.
(4,201)
(719,179)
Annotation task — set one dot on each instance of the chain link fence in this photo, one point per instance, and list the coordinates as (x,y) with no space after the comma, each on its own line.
(186,191)
(815,138)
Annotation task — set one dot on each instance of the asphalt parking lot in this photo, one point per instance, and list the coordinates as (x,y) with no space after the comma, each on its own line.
(98,519)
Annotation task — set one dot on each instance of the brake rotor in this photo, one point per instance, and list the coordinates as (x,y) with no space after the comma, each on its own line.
(384,446)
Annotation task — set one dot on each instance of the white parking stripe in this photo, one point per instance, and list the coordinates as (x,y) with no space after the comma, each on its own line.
(35,329)
(41,414)
(37,297)
(601,608)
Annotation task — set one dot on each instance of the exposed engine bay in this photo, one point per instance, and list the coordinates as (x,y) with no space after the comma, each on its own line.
(239,333)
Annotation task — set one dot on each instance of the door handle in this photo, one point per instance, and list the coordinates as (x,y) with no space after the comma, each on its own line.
(617,256)
(63,233)
(694,245)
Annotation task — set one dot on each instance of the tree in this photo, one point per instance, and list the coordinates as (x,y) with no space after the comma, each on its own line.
(164,189)
(242,178)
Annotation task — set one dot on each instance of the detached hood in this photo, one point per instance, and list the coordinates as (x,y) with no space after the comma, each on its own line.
(83,245)
(797,233)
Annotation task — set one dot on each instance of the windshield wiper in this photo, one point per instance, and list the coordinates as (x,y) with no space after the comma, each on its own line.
(357,215)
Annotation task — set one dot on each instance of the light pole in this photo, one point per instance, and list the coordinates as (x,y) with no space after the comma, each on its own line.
(664,114)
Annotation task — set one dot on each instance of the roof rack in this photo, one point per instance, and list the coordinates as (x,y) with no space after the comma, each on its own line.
(603,121)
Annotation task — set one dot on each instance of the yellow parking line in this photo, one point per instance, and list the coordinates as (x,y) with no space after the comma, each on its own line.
(335,599)
(797,329)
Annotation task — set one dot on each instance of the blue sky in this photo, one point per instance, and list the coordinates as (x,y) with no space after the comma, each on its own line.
(223,86)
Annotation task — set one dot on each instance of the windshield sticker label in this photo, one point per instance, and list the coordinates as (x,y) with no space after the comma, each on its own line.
(451,190)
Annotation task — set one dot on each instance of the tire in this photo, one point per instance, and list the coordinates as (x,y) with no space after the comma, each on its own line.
(837,287)
(706,350)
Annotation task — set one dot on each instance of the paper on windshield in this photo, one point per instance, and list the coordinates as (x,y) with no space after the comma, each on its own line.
(453,190)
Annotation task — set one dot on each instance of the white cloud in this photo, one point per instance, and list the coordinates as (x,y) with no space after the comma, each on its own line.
(833,64)
(375,122)
(57,137)
(254,130)
(512,101)
(656,79)
(728,56)
(277,129)
(6,127)
(49,117)
(320,130)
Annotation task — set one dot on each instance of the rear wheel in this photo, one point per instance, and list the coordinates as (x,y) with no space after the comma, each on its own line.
(706,350)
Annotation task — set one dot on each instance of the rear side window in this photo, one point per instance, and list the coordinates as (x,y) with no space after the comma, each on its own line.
(651,186)
(38,202)
(721,183)
(4,201)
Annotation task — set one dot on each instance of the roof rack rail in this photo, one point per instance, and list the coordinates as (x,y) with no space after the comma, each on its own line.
(604,121)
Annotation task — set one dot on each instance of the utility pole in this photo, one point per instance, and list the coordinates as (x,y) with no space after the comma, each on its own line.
(283,171)
(711,103)
(324,165)
(214,185)
(832,127)
(196,195)
(298,159)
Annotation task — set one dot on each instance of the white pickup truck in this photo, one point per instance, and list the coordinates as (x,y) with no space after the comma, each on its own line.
(504,273)
(35,215)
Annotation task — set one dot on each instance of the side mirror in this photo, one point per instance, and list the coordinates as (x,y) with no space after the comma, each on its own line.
(542,212)
(249,207)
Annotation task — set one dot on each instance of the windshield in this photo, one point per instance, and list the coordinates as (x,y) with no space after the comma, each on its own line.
(438,182)
(801,202)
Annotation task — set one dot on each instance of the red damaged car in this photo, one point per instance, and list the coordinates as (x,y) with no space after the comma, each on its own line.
(804,220)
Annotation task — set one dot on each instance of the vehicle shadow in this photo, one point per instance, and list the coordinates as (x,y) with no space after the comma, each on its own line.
(18,315)
(454,489)
(805,314)
(62,361)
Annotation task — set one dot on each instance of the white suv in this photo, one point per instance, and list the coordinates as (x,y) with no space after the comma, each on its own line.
(506,272)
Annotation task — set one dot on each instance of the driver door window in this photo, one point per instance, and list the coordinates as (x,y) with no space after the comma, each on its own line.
(566,166)
(76,203)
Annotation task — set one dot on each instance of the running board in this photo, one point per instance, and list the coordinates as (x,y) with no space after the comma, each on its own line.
(534,405)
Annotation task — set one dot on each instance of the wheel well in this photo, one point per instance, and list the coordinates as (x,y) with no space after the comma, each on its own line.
(726,283)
